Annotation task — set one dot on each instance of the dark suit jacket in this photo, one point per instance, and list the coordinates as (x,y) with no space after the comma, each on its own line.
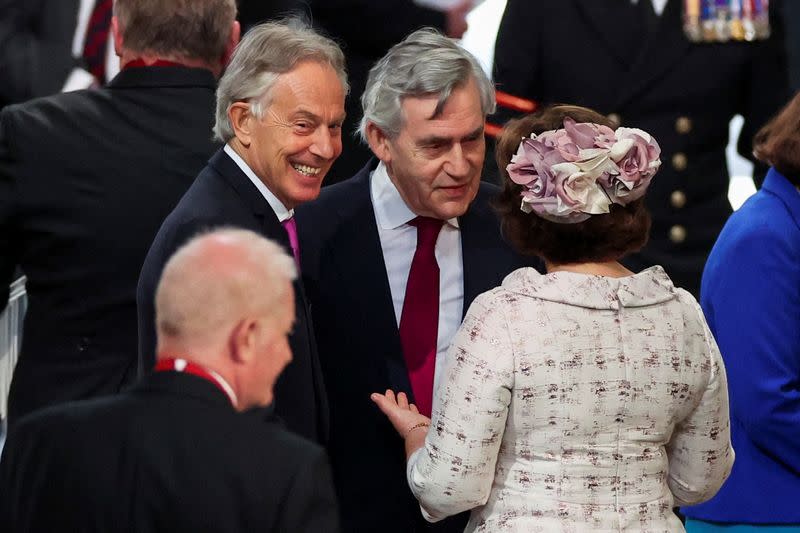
(86,179)
(222,195)
(35,47)
(170,455)
(359,343)
(366,30)
(589,53)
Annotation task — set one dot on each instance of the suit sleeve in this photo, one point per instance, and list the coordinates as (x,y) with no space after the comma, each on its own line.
(699,451)
(767,87)
(753,300)
(160,252)
(8,192)
(516,52)
(310,505)
(454,470)
(35,47)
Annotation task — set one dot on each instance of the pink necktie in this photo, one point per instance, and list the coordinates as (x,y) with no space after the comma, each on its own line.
(291,229)
(419,323)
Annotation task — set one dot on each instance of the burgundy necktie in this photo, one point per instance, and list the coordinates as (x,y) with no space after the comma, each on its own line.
(94,47)
(419,323)
(291,229)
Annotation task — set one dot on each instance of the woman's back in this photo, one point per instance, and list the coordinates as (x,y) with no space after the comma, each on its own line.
(603,378)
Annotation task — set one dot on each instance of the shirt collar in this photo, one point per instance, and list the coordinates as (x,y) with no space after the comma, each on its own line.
(391,210)
(277,206)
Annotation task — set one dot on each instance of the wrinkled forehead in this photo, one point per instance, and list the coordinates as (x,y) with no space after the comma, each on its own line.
(460,113)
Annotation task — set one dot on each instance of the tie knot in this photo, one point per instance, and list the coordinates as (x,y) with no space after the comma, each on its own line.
(290,225)
(427,230)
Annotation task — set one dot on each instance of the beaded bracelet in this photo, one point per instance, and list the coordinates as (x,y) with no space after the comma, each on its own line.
(416,426)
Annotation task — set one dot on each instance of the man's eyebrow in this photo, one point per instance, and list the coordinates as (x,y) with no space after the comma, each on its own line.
(477,132)
(304,113)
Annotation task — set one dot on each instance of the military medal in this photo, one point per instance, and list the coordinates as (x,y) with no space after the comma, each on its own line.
(713,21)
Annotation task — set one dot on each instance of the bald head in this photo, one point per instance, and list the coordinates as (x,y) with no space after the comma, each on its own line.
(216,279)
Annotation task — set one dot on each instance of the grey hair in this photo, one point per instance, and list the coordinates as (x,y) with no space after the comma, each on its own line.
(425,63)
(267,51)
(216,278)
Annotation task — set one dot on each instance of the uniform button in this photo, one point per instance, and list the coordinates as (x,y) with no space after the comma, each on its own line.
(677,199)
(677,234)
(683,125)
(615,118)
(679,161)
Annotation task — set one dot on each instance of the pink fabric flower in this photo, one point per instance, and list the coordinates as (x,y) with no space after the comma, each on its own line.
(572,173)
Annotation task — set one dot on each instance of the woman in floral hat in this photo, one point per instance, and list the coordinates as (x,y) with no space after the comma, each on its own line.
(591,398)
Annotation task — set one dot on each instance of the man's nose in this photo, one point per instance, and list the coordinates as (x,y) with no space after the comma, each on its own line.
(324,145)
(457,164)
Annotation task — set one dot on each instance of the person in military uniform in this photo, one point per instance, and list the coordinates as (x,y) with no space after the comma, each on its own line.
(632,61)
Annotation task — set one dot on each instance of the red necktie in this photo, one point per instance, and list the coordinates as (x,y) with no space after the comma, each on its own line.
(419,323)
(94,47)
(291,229)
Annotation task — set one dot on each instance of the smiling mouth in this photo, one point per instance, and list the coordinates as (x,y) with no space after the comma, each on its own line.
(306,170)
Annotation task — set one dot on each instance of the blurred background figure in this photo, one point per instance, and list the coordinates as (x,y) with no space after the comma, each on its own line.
(631,61)
(751,297)
(188,448)
(87,178)
(366,30)
(563,404)
(49,46)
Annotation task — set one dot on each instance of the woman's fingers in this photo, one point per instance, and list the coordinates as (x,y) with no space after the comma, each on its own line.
(402,400)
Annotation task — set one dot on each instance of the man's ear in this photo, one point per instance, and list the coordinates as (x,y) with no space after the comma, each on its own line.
(243,341)
(117,33)
(233,40)
(379,143)
(241,120)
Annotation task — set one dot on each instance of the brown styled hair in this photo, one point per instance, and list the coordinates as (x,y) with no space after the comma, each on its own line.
(605,237)
(778,143)
(191,29)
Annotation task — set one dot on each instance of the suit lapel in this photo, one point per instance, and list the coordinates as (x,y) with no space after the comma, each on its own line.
(362,272)
(659,54)
(477,241)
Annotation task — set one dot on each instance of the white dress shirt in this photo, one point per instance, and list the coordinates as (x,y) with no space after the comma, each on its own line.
(277,206)
(658,5)
(399,242)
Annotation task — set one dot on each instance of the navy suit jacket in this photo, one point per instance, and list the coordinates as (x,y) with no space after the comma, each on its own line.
(222,195)
(171,455)
(359,342)
(751,298)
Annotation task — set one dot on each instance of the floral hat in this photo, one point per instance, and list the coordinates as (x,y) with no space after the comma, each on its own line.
(573,173)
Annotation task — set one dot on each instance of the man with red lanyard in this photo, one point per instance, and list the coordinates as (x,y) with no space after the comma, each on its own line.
(86,179)
(189,448)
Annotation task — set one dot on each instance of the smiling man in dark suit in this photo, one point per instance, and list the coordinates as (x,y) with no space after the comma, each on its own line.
(280,106)
(392,259)
(87,178)
(188,448)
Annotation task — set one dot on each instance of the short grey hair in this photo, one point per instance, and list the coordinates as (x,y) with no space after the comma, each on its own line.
(267,51)
(425,63)
(191,29)
(218,277)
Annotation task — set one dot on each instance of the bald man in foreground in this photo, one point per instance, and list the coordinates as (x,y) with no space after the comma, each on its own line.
(187,449)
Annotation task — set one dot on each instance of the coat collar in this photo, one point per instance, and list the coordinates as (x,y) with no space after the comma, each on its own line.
(777,184)
(250,195)
(149,77)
